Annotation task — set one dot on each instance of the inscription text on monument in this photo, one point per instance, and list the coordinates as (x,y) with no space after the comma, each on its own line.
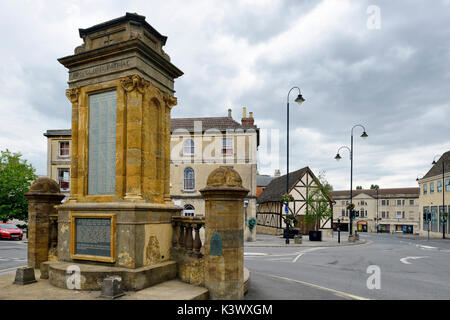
(100,69)
(93,237)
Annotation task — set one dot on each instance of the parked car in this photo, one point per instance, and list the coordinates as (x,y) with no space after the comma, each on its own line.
(10,231)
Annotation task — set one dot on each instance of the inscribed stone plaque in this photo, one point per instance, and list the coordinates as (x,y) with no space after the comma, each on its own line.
(93,236)
(102,143)
(215,248)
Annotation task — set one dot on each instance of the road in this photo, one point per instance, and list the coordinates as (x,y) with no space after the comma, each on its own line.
(409,268)
(13,254)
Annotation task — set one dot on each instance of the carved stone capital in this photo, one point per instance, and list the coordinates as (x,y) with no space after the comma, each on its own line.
(170,100)
(72,94)
(134,82)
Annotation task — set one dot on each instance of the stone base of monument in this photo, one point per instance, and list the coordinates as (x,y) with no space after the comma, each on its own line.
(92,276)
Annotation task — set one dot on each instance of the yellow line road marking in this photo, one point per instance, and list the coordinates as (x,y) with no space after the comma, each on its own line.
(341,293)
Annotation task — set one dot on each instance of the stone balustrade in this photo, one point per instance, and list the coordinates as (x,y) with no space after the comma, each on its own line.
(186,234)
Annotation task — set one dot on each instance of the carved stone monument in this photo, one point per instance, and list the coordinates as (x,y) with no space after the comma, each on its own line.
(117,221)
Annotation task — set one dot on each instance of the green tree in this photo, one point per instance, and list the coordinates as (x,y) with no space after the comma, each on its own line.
(16,176)
(374,187)
(318,202)
(358,187)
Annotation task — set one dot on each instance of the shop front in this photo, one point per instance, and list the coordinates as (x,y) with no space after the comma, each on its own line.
(385,228)
(404,228)
(362,226)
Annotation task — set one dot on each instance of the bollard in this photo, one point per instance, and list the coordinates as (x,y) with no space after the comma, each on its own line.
(24,275)
(112,288)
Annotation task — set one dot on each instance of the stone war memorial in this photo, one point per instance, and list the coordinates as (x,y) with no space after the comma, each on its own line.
(119,228)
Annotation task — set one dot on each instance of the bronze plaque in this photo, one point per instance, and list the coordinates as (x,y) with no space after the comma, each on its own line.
(93,237)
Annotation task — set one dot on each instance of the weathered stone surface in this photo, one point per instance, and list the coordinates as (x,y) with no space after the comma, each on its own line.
(91,276)
(224,223)
(44,185)
(112,288)
(123,55)
(24,275)
(44,194)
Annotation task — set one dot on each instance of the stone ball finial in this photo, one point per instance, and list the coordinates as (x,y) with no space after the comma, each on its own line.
(224,176)
(45,185)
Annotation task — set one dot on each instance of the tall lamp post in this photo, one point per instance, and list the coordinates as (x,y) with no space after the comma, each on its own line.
(378,218)
(338,157)
(425,217)
(299,100)
(443,216)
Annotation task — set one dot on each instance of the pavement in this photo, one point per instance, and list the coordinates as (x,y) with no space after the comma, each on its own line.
(43,290)
(266,241)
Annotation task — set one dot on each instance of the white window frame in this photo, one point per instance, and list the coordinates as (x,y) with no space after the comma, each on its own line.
(188,149)
(60,179)
(185,179)
(59,149)
(227,146)
(188,210)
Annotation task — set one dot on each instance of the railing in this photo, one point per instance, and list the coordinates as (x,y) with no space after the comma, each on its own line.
(186,235)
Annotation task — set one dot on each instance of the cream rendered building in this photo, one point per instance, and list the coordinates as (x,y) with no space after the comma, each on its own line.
(434,197)
(201,145)
(198,146)
(395,209)
(58,158)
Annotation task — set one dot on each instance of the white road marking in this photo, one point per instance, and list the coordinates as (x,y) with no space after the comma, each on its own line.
(254,254)
(405,260)
(340,293)
(426,247)
(306,251)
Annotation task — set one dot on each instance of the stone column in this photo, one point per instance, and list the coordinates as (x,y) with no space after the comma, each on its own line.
(73,95)
(224,228)
(134,87)
(169,102)
(44,194)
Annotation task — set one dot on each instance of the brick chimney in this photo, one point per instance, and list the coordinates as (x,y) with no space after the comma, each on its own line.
(277,173)
(229,113)
(247,122)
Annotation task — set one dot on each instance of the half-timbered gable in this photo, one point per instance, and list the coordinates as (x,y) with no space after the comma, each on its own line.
(270,210)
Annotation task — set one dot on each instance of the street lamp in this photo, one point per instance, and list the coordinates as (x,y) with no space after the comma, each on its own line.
(378,219)
(443,216)
(364,135)
(299,100)
(426,216)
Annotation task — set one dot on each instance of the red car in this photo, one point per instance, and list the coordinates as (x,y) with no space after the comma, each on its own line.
(10,231)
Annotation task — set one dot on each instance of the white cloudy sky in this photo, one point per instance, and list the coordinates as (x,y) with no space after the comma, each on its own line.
(393,80)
